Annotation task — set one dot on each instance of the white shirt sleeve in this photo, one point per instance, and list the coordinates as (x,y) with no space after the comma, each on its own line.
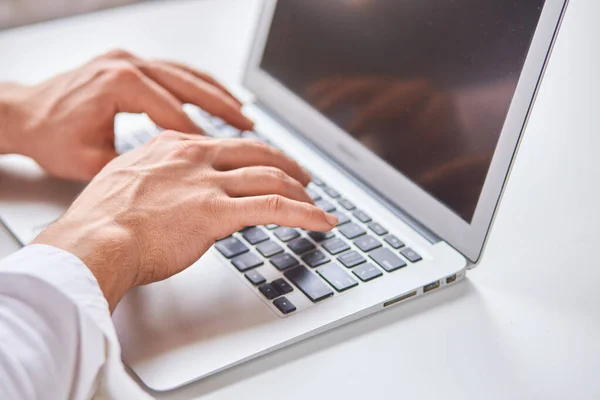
(57,340)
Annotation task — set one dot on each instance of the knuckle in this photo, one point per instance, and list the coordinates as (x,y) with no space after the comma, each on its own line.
(311,212)
(117,54)
(124,73)
(219,209)
(276,174)
(255,145)
(216,204)
(168,135)
(274,203)
(316,212)
(214,149)
(266,148)
(186,149)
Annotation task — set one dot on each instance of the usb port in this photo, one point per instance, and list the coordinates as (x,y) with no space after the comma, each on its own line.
(451,279)
(431,286)
(399,299)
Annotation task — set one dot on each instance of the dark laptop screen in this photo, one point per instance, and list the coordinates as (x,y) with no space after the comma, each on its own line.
(424,84)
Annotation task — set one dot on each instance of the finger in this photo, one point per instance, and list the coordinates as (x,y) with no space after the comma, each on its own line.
(189,89)
(201,75)
(125,55)
(142,95)
(275,209)
(239,153)
(259,181)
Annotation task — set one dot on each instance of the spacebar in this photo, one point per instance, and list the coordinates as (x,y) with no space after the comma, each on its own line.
(308,283)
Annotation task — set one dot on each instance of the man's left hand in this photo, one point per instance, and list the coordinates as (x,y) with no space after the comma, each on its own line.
(66,123)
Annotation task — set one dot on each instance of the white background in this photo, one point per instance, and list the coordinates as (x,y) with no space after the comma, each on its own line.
(525,325)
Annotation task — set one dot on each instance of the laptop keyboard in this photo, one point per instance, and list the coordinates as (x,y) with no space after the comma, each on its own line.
(320,265)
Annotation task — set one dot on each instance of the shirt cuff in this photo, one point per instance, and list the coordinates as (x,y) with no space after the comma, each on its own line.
(69,275)
(65,272)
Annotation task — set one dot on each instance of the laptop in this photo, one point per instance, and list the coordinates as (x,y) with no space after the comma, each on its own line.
(409,115)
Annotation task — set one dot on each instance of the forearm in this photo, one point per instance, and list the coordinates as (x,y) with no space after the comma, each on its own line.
(107,249)
(11,109)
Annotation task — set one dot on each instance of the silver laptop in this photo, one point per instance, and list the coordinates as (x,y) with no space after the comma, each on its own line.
(409,115)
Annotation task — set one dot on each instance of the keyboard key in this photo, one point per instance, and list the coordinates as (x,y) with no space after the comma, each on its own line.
(387,259)
(268,291)
(320,236)
(325,205)
(252,135)
(313,194)
(228,131)
(342,218)
(284,305)
(367,243)
(286,234)
(346,204)
(351,259)
(366,272)
(246,261)
(282,286)
(335,246)
(269,249)
(317,181)
(231,247)
(272,226)
(254,235)
(352,231)
(411,255)
(394,241)
(361,216)
(255,277)
(336,277)
(308,283)
(377,229)
(216,121)
(284,261)
(331,192)
(315,259)
(301,246)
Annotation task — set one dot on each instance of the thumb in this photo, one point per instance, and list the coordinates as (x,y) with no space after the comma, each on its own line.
(94,161)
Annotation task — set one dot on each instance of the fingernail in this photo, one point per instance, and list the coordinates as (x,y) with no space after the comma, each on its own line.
(307,175)
(250,123)
(332,219)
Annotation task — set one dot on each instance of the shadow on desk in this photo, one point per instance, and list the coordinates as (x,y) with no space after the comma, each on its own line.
(30,200)
(308,347)
(21,180)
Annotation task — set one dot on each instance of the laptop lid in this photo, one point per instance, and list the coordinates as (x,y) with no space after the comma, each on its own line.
(425,101)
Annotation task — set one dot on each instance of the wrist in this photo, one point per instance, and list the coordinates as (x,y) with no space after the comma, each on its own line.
(107,249)
(12,119)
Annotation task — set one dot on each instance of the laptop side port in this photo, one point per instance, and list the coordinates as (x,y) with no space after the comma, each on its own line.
(431,286)
(399,299)
(451,279)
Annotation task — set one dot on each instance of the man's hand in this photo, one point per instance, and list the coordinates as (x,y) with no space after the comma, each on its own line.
(154,211)
(66,124)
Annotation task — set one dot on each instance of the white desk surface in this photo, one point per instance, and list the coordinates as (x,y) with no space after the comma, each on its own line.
(525,325)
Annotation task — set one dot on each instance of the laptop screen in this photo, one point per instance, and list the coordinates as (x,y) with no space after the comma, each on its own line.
(424,84)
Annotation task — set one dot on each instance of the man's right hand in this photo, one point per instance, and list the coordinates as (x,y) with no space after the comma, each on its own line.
(154,211)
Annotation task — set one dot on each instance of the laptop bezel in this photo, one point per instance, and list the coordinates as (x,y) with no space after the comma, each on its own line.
(468,238)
